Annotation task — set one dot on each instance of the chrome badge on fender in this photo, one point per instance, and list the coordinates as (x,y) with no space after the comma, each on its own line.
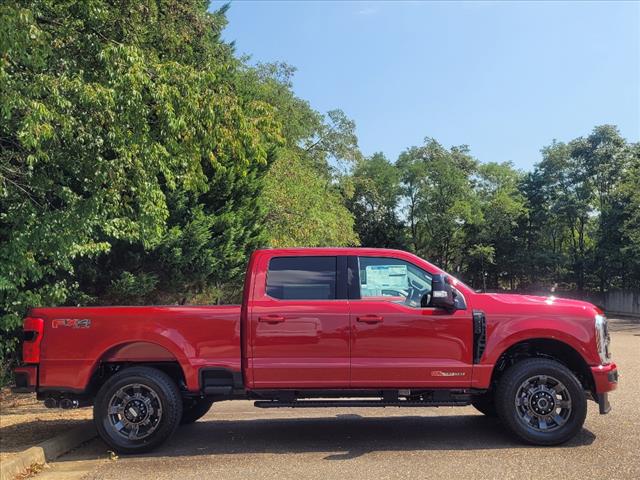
(71,322)
(440,373)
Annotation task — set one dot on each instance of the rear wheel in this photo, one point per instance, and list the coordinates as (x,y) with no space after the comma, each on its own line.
(137,409)
(541,401)
(194,409)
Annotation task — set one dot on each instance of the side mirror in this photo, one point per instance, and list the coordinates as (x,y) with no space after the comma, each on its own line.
(442,293)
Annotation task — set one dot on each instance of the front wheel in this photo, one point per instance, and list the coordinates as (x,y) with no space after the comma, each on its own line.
(137,409)
(541,401)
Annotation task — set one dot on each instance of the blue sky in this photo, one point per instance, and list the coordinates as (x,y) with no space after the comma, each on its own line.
(506,78)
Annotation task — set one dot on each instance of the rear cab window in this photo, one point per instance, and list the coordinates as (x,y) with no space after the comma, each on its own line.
(302,278)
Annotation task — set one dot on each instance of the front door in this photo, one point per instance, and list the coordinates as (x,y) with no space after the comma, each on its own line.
(300,324)
(397,343)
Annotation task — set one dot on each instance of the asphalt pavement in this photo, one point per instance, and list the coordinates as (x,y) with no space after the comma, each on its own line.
(237,441)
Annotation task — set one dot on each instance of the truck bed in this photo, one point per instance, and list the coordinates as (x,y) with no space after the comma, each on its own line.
(77,339)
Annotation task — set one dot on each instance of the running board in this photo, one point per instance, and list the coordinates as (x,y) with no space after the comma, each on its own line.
(359,403)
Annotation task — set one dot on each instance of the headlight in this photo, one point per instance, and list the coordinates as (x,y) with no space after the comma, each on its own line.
(602,338)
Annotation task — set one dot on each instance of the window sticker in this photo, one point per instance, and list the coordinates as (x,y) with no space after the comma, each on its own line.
(387,276)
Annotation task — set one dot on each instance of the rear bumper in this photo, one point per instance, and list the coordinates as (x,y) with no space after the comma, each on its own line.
(26,379)
(605,378)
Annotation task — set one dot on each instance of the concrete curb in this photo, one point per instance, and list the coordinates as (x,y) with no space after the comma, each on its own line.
(47,451)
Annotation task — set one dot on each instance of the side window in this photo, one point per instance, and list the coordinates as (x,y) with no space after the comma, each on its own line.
(302,278)
(393,280)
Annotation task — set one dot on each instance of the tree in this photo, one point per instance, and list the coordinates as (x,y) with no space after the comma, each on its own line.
(442,202)
(627,204)
(305,193)
(375,202)
(570,194)
(538,254)
(303,209)
(577,200)
(502,207)
(101,119)
(484,256)
(605,157)
(411,173)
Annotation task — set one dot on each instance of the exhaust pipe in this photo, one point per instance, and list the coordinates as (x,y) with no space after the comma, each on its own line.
(67,403)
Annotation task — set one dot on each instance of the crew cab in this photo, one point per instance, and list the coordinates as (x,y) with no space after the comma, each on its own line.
(325,327)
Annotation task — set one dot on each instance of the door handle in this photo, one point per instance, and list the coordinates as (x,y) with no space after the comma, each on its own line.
(370,319)
(271,319)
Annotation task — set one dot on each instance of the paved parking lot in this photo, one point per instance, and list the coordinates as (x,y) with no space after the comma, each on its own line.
(237,441)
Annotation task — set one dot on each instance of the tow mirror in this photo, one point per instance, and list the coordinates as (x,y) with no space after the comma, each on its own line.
(442,293)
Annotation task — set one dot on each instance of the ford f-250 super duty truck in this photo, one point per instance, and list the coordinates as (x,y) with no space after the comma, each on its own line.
(325,327)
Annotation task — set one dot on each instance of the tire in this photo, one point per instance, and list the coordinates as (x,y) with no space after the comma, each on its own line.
(145,406)
(541,402)
(194,409)
(485,404)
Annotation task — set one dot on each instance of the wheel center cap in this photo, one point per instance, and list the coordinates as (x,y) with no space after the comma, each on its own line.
(542,403)
(135,411)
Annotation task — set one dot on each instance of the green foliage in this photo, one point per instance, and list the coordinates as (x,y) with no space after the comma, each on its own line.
(503,206)
(106,110)
(135,146)
(442,202)
(374,203)
(627,201)
(303,208)
(305,190)
(579,198)
(573,221)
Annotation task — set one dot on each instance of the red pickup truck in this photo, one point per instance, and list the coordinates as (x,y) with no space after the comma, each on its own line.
(325,327)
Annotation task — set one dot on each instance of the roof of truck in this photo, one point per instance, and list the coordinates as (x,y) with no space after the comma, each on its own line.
(360,251)
(337,250)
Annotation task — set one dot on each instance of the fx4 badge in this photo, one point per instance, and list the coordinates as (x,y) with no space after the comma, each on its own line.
(71,322)
(440,373)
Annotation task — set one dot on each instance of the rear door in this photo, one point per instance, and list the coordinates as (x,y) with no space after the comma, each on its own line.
(299,323)
(395,342)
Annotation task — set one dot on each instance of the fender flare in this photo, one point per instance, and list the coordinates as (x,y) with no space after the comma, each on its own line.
(147,350)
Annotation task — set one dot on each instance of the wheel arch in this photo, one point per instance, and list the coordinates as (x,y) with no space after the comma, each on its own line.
(544,347)
(136,353)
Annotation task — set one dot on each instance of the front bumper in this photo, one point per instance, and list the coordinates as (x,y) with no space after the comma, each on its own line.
(605,378)
(26,379)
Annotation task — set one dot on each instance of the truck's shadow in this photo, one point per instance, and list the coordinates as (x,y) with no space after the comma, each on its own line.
(349,436)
